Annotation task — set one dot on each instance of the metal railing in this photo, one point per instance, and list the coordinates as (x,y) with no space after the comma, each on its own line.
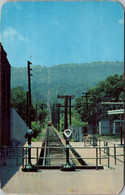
(98,156)
(20,154)
(114,149)
(106,148)
(10,152)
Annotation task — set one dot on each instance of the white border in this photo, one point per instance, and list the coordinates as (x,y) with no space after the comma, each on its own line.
(122,2)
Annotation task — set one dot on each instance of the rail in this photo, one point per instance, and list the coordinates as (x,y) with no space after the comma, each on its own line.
(51,152)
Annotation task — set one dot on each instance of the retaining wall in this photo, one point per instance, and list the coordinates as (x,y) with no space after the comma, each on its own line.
(18,128)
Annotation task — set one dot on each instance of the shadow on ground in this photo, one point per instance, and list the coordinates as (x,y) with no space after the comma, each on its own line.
(7,171)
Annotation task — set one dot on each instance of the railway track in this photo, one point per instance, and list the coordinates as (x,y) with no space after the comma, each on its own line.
(54,153)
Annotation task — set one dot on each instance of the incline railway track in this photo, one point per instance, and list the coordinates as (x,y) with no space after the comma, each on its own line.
(54,152)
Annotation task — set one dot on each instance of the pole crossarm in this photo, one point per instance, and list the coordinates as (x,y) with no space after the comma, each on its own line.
(61,106)
(64,96)
(87,93)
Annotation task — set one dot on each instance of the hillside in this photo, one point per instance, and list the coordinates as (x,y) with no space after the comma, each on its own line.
(64,79)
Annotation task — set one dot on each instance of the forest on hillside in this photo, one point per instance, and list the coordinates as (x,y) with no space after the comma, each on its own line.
(63,79)
(84,110)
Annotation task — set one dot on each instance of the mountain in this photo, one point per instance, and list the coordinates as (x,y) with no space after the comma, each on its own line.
(64,79)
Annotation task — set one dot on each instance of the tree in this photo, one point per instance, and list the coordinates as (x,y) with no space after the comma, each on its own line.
(109,90)
(41,112)
(19,101)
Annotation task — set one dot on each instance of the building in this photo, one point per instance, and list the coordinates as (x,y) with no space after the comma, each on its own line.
(114,124)
(118,125)
(5,72)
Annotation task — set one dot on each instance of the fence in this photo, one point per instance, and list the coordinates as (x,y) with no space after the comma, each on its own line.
(93,141)
(11,152)
(20,154)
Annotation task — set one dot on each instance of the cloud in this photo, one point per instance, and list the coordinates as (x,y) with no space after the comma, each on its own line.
(12,35)
(121,21)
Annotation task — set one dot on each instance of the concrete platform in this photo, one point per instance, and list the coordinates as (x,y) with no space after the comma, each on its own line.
(90,152)
(106,181)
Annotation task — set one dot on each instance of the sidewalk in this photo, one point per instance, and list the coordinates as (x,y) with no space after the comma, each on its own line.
(90,151)
(106,181)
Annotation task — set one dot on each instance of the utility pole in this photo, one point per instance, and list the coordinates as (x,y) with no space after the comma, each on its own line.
(57,121)
(29,167)
(54,115)
(66,110)
(70,106)
(121,136)
(36,112)
(29,93)
(86,96)
(70,110)
(66,113)
(66,97)
(27,109)
(58,115)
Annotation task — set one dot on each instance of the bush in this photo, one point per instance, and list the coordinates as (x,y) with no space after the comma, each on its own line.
(76,121)
(36,127)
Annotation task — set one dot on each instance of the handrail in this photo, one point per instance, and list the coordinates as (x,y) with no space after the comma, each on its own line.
(77,147)
(4,151)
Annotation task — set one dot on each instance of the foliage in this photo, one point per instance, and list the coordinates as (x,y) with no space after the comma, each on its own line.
(36,127)
(69,79)
(65,78)
(42,112)
(18,101)
(109,90)
(76,120)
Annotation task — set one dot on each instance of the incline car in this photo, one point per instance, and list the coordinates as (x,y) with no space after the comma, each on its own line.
(49,123)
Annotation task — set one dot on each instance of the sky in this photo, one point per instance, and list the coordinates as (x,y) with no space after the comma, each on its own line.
(60,32)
